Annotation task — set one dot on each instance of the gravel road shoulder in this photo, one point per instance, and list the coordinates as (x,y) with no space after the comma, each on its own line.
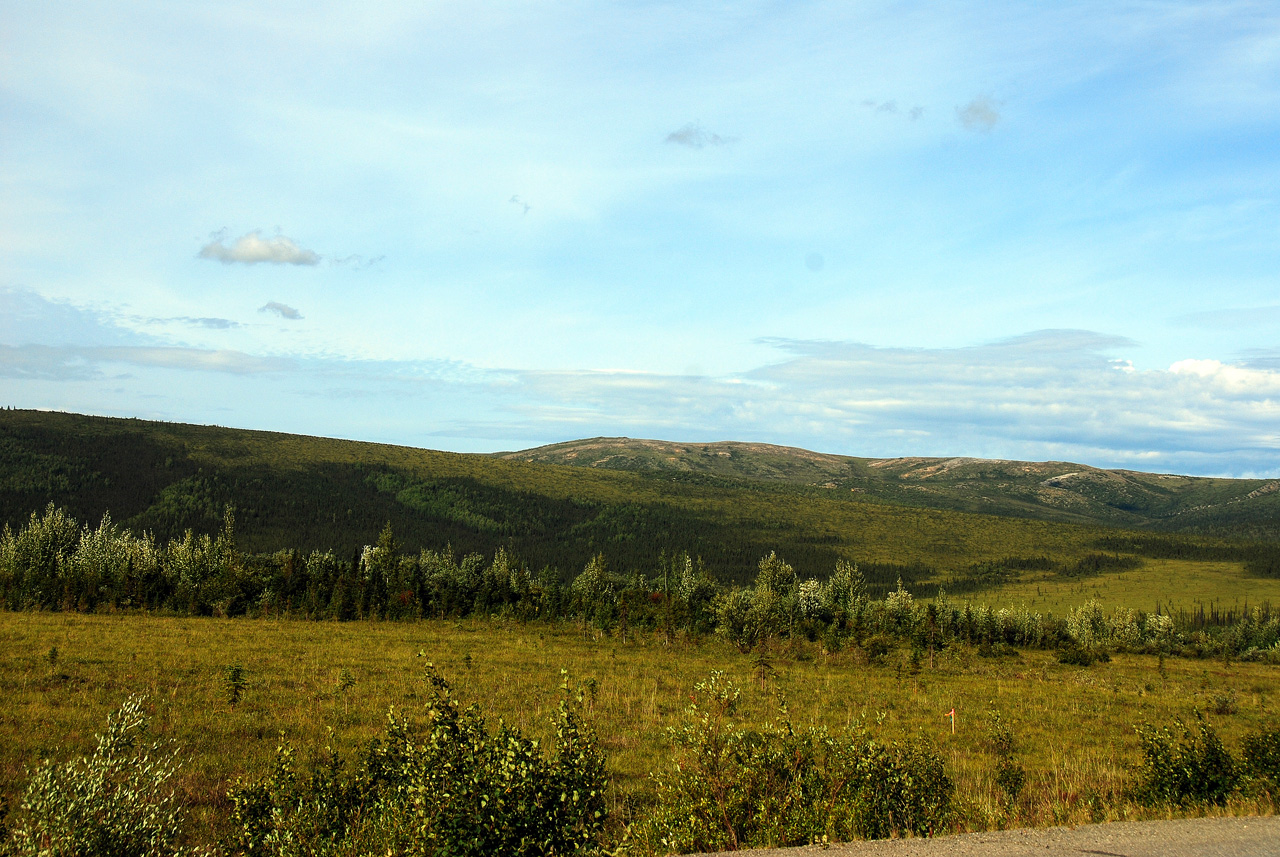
(1189,837)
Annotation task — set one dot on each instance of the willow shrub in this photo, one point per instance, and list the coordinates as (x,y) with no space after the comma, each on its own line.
(732,787)
(1196,768)
(117,801)
(449,786)
(1260,759)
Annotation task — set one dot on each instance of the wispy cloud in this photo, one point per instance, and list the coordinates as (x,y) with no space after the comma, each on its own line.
(252,249)
(282,310)
(193,359)
(1231,319)
(76,363)
(890,108)
(695,136)
(44,363)
(28,317)
(356,261)
(980,114)
(207,323)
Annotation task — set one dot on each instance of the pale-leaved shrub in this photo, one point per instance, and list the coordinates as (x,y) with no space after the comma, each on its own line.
(117,801)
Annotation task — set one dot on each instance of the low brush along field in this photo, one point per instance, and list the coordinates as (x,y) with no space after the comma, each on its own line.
(313,684)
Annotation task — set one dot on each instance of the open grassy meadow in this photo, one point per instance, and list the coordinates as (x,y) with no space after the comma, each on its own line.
(1171,585)
(324,682)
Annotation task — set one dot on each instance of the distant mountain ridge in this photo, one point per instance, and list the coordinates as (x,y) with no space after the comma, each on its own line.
(1056,490)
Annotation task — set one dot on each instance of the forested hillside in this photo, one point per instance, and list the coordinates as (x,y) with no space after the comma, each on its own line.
(306,493)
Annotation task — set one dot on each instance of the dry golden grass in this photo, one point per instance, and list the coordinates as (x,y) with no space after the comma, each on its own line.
(1073,726)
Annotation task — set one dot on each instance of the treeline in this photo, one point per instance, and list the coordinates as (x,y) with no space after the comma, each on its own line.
(54,563)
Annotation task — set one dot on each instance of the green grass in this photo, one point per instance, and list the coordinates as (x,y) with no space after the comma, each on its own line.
(1073,726)
(1169,584)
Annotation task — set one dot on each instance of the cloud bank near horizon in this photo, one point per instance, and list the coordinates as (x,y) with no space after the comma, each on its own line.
(1049,394)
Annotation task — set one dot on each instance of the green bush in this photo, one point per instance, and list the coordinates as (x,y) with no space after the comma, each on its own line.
(1079,656)
(900,788)
(734,788)
(1010,775)
(1260,759)
(448,787)
(117,801)
(1195,769)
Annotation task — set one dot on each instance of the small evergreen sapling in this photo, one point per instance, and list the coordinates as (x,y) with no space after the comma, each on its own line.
(1010,775)
(234,683)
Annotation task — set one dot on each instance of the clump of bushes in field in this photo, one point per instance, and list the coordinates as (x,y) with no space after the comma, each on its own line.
(117,801)
(1196,768)
(445,786)
(731,787)
(448,785)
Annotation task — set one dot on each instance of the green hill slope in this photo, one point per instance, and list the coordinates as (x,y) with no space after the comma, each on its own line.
(729,504)
(1052,490)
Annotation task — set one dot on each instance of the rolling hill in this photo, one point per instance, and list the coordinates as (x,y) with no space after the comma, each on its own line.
(634,501)
(1051,490)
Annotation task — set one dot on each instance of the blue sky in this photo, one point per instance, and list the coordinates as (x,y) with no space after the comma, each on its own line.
(1007,230)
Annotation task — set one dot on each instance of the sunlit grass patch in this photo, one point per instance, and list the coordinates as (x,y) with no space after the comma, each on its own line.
(1169,584)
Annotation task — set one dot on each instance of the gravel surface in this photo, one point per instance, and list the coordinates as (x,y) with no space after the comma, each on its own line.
(1191,837)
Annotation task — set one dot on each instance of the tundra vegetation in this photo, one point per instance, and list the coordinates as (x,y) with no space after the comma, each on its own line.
(706,716)
(369,652)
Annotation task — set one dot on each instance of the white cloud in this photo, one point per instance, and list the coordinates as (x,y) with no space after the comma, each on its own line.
(251,249)
(1231,380)
(210,323)
(1046,395)
(200,359)
(1232,319)
(44,363)
(356,261)
(26,317)
(891,108)
(282,310)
